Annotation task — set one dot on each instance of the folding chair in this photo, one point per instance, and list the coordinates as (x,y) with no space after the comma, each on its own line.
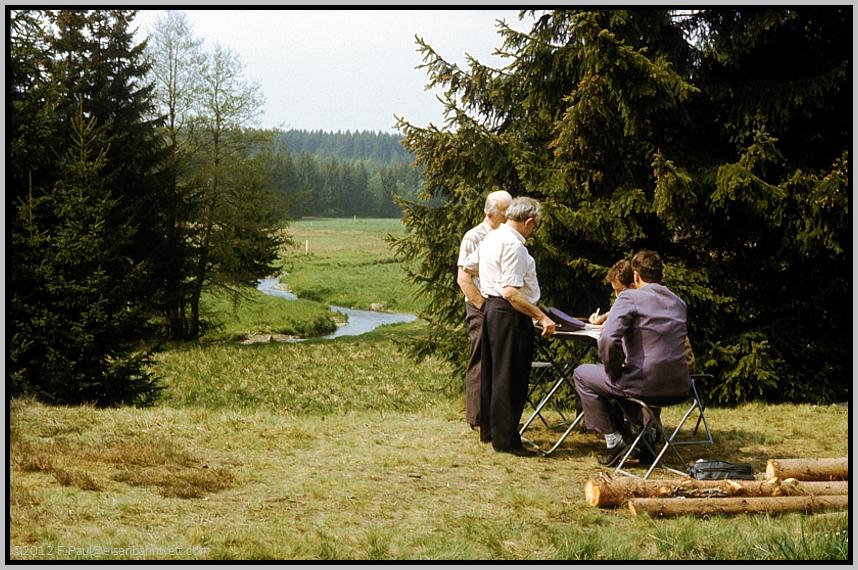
(540,374)
(650,422)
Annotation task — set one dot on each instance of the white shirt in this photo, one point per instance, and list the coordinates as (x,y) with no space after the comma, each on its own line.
(504,261)
(470,242)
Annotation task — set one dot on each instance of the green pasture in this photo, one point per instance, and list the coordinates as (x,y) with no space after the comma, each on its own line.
(347,262)
(348,449)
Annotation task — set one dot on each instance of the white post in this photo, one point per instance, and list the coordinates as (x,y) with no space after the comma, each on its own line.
(355,219)
(306,247)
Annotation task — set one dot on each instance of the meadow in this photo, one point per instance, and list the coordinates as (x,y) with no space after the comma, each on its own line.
(347,262)
(347,449)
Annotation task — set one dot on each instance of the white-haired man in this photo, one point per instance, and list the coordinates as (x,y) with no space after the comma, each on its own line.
(495,211)
(510,288)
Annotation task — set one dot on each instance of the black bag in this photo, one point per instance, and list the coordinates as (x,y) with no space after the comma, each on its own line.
(708,469)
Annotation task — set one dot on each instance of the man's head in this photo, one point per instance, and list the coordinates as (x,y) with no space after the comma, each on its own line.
(496,205)
(526,213)
(621,276)
(647,264)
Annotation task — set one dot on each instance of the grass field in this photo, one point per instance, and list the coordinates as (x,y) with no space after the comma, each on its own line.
(349,450)
(347,262)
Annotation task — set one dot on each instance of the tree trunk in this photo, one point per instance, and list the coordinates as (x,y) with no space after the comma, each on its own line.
(736,505)
(614,492)
(829,469)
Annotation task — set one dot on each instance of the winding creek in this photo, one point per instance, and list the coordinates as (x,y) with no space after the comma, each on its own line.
(359,321)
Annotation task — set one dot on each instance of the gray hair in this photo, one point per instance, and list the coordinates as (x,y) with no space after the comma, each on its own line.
(494,201)
(522,208)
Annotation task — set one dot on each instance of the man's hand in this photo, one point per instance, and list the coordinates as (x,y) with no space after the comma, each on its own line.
(548,326)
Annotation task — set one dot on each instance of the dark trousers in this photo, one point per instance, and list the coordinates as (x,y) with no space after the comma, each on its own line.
(507,351)
(472,376)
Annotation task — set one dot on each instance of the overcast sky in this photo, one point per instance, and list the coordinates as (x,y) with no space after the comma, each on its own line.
(347,69)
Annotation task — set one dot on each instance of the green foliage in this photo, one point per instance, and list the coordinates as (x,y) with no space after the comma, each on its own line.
(74,330)
(672,131)
(85,205)
(372,147)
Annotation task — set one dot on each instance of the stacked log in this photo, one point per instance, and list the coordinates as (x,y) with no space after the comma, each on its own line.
(830,469)
(737,505)
(822,484)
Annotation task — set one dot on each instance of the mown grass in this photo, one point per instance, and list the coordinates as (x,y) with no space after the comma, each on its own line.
(349,264)
(347,450)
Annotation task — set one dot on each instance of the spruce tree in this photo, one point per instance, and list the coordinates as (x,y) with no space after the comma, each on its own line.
(681,131)
(78,344)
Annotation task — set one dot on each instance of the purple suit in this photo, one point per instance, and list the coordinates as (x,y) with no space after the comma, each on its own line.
(642,350)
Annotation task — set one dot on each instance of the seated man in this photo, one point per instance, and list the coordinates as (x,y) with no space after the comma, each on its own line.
(642,347)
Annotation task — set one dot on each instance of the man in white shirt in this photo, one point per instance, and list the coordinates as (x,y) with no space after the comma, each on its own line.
(495,211)
(511,290)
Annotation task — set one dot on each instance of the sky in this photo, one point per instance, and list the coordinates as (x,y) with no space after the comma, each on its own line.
(342,69)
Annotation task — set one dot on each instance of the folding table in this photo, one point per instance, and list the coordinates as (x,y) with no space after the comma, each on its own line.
(549,366)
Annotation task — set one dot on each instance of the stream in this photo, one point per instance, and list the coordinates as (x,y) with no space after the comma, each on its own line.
(359,321)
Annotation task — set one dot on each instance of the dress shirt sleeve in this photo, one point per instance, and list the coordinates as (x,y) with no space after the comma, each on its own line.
(471,262)
(513,265)
(468,246)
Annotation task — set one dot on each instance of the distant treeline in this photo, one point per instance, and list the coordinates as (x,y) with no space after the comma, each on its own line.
(370,146)
(343,174)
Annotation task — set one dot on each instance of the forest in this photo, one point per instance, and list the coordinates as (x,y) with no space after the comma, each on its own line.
(137,180)
(343,174)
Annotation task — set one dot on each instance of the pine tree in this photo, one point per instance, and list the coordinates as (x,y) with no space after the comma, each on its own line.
(80,261)
(668,130)
(77,344)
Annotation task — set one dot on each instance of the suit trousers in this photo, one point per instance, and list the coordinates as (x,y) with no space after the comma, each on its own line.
(507,351)
(472,376)
(597,393)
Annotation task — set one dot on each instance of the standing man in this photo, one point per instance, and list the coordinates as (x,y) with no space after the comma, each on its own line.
(495,210)
(508,283)
(649,322)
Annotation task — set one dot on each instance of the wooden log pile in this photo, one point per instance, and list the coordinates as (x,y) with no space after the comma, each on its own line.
(791,485)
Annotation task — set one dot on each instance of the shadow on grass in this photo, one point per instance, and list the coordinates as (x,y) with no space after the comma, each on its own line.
(739,446)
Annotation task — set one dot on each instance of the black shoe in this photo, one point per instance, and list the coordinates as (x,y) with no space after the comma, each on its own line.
(645,457)
(613,454)
(518,452)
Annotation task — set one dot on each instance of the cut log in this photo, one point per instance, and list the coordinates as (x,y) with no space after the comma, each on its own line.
(829,469)
(605,492)
(736,505)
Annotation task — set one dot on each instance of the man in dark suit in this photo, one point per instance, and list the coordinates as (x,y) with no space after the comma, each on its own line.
(642,348)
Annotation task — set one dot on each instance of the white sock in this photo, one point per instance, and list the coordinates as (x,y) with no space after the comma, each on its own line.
(613,439)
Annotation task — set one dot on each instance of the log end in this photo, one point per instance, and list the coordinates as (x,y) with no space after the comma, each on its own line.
(771,468)
(591,493)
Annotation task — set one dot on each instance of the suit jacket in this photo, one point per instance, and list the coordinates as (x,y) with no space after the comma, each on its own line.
(642,344)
